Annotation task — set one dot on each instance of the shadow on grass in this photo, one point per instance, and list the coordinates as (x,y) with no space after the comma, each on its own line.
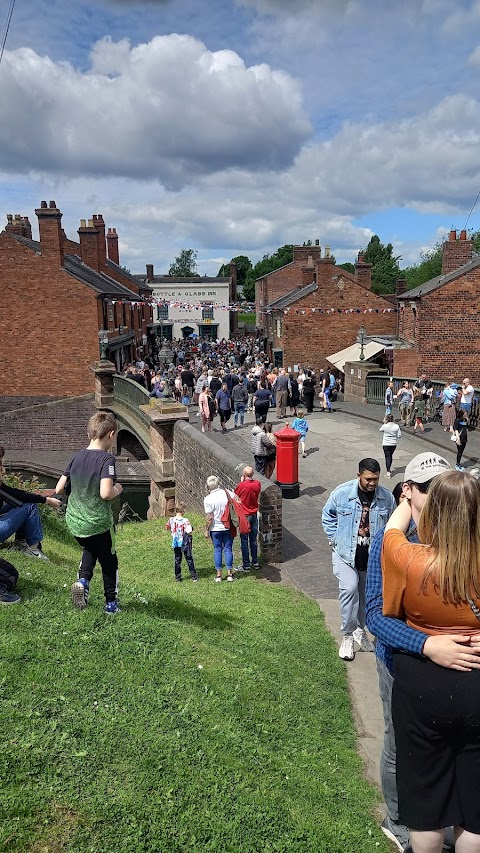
(180,611)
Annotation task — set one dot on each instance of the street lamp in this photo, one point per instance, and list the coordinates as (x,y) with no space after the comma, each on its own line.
(361,339)
(103,341)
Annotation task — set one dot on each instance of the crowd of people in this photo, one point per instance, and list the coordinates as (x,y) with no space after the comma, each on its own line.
(408,567)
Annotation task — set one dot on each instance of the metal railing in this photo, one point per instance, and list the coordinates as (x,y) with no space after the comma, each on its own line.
(375,387)
(130,394)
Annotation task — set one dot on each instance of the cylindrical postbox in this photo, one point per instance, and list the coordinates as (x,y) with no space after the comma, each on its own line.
(287,461)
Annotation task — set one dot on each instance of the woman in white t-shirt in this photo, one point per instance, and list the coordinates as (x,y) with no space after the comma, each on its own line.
(214,505)
(391,434)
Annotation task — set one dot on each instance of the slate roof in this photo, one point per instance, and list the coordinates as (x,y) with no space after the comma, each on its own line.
(293,296)
(72,264)
(439,281)
(175,279)
(127,275)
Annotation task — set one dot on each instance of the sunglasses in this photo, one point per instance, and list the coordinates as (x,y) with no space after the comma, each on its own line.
(422,487)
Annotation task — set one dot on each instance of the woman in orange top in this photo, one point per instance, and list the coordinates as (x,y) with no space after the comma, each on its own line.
(436,711)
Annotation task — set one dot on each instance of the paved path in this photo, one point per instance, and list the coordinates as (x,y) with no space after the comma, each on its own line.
(335,445)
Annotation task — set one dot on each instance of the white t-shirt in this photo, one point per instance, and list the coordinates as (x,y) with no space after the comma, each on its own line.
(391,434)
(467,395)
(215,504)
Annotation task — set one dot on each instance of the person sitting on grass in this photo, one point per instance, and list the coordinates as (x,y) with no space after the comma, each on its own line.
(300,424)
(91,475)
(181,531)
(19,515)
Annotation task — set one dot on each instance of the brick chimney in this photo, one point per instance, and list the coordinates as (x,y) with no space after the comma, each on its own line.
(50,227)
(233,282)
(400,286)
(149,273)
(18,225)
(88,236)
(112,245)
(301,253)
(308,272)
(102,246)
(456,253)
(363,272)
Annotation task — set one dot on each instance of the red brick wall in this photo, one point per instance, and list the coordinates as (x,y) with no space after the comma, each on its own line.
(449,329)
(48,326)
(456,253)
(309,338)
(407,323)
(407,362)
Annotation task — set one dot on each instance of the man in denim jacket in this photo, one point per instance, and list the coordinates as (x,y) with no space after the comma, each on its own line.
(351,517)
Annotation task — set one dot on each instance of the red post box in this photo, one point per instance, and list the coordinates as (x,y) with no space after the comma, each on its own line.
(287,461)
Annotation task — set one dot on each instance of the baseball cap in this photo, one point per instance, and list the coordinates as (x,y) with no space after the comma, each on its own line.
(424,467)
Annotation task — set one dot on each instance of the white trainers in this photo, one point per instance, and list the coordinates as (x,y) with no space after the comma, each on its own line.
(363,640)
(347,650)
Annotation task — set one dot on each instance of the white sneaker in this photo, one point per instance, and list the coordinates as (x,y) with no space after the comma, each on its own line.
(34,552)
(346,650)
(229,578)
(388,475)
(218,579)
(363,640)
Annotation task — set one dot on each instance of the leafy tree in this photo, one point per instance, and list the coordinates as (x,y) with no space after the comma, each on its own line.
(243,264)
(185,264)
(385,269)
(431,263)
(282,256)
(347,266)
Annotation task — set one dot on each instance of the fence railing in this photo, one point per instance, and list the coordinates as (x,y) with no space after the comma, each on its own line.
(375,387)
(129,393)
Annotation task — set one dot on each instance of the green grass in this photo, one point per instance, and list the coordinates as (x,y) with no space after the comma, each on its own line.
(203,717)
(248,318)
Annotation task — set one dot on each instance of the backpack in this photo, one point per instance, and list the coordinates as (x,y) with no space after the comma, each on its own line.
(8,575)
(212,409)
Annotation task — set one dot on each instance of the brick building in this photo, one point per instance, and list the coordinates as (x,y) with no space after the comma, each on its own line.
(57,294)
(312,308)
(439,321)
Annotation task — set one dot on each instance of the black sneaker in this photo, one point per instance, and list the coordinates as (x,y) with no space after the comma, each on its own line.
(7,597)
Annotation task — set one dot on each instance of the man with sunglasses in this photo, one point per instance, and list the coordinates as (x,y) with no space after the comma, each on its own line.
(445,650)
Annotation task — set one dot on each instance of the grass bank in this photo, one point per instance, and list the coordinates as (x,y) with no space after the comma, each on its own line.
(203,717)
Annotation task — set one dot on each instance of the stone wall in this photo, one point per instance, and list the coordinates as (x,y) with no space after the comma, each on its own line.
(356,373)
(197,456)
(58,425)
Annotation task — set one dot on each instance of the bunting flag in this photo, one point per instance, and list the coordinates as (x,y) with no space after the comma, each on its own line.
(185,306)
(336,311)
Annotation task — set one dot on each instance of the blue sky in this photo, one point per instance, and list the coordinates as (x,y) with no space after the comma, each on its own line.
(235,126)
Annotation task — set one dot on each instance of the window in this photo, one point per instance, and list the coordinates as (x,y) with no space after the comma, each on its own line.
(207,313)
(279,328)
(162,311)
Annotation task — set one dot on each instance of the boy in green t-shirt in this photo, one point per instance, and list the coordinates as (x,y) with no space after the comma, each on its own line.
(91,475)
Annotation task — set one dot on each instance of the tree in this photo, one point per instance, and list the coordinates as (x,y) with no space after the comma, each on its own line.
(385,269)
(243,264)
(347,266)
(431,263)
(282,256)
(185,264)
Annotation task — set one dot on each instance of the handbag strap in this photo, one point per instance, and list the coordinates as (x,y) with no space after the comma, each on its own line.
(475,609)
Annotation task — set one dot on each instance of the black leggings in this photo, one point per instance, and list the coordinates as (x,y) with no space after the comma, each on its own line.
(102,548)
(460,449)
(389,450)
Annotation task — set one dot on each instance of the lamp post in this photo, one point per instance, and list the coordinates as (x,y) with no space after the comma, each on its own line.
(103,341)
(361,339)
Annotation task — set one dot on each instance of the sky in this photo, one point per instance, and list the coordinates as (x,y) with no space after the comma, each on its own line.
(234,127)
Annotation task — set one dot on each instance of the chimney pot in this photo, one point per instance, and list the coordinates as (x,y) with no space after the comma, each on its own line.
(453,235)
(360,258)
(43,204)
(53,205)
(9,217)
(91,223)
(83,223)
(463,235)
(317,242)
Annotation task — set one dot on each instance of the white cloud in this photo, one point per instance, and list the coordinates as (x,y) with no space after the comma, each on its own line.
(169,109)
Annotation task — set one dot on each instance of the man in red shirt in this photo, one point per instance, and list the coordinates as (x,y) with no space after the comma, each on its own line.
(248,491)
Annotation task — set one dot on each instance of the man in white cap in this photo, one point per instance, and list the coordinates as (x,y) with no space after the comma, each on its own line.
(445,650)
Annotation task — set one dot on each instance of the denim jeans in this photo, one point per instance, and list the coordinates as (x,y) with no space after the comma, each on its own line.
(247,539)
(388,761)
(351,597)
(24,521)
(239,411)
(222,543)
